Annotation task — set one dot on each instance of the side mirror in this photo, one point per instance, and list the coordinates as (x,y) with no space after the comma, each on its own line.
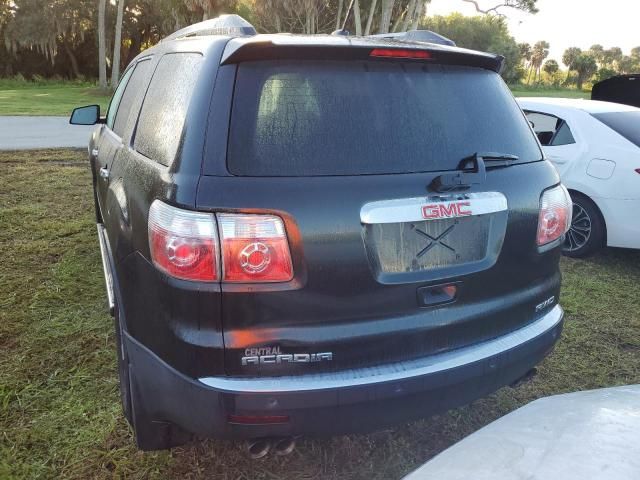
(89,115)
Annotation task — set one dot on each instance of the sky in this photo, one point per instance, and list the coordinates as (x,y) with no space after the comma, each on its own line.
(564,23)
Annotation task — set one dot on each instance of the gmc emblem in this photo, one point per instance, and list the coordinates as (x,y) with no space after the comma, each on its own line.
(446,210)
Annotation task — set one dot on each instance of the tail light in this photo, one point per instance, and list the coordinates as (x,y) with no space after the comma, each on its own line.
(183,244)
(400,53)
(555,214)
(253,248)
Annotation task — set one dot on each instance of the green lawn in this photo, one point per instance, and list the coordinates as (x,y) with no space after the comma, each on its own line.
(524,91)
(47,99)
(59,411)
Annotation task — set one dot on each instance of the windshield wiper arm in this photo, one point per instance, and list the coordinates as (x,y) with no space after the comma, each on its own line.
(463,178)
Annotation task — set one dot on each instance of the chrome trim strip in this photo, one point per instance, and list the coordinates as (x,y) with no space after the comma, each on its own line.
(391,372)
(410,209)
(108,280)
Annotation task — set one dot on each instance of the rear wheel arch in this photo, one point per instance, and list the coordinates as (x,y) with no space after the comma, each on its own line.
(578,193)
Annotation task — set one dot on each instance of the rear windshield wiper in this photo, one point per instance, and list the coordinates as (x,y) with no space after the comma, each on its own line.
(464,177)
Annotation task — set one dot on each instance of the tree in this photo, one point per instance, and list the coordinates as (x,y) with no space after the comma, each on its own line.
(117,43)
(102,49)
(611,57)
(539,52)
(551,67)
(356,17)
(569,58)
(487,33)
(408,15)
(605,73)
(524,5)
(372,10)
(585,66)
(296,16)
(48,28)
(322,16)
(597,52)
(6,12)
(525,55)
(627,64)
(339,15)
(419,13)
(552,71)
(385,18)
(209,8)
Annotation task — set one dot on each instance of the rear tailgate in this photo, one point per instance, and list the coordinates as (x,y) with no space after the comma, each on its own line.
(344,153)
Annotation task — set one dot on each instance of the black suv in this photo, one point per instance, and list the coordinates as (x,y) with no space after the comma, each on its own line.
(319,234)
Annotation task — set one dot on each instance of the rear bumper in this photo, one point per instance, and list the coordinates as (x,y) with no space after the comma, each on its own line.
(349,401)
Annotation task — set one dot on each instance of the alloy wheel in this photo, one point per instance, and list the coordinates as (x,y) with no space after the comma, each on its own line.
(580,231)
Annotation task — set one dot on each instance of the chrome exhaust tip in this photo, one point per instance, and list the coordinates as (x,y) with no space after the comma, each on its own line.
(258,448)
(284,446)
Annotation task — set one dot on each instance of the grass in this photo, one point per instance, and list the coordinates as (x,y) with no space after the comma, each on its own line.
(544,91)
(47,98)
(59,411)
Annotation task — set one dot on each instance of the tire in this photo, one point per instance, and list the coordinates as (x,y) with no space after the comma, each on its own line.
(587,232)
(123,368)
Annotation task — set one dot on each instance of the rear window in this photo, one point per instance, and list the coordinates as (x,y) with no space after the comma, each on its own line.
(357,118)
(626,124)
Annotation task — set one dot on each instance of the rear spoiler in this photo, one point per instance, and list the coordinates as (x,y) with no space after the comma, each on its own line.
(335,48)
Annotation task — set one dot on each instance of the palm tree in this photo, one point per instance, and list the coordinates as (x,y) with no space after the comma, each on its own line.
(102,49)
(525,55)
(117,43)
(539,52)
(569,58)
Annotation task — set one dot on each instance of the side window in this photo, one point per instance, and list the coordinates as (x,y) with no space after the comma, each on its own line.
(563,136)
(117,96)
(133,93)
(550,130)
(165,106)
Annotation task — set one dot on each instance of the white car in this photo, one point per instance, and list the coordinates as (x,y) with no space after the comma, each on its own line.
(595,146)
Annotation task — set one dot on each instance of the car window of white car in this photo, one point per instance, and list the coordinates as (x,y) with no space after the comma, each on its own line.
(544,126)
(556,138)
(562,136)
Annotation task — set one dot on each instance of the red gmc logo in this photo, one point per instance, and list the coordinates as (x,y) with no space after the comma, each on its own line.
(446,210)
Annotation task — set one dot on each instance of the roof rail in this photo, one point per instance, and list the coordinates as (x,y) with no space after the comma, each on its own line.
(417,36)
(232,25)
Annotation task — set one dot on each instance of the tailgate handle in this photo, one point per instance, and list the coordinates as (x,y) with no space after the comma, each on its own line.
(437,294)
